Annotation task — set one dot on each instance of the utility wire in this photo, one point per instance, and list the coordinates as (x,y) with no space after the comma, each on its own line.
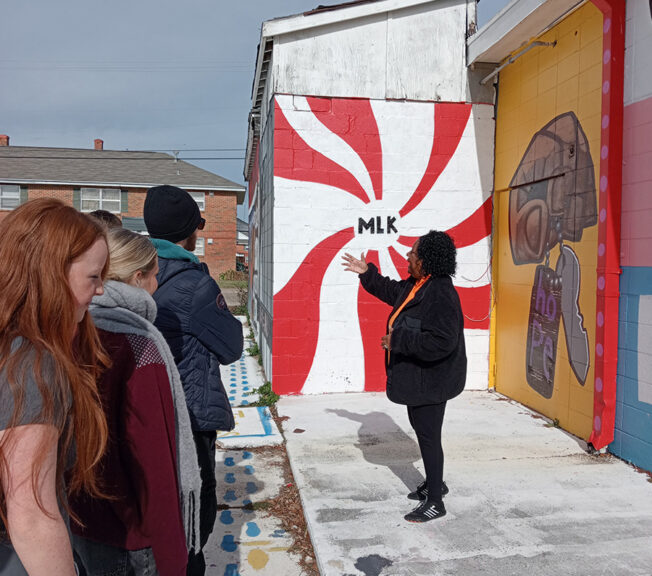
(127,66)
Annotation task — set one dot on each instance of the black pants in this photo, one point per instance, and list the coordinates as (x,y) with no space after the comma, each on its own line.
(205,444)
(427,421)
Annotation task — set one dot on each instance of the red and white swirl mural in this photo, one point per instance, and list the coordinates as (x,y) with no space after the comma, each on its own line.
(370,176)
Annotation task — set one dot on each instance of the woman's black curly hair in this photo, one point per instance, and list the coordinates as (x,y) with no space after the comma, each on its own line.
(437,254)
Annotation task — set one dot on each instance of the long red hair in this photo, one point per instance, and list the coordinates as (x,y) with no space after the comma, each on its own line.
(38,242)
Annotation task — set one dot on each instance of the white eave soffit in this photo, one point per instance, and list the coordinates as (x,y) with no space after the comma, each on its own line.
(514,26)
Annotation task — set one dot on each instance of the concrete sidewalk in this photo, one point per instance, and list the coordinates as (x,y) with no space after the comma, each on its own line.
(246,539)
(524,496)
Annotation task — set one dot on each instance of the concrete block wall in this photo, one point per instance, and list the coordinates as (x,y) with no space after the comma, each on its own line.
(633,433)
(261,236)
(360,175)
(555,116)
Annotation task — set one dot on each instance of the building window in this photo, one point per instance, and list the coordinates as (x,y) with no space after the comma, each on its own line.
(9,196)
(101,199)
(199,247)
(200,198)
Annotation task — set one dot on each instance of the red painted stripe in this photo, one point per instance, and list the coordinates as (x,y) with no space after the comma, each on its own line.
(295,160)
(296,316)
(608,269)
(476,303)
(353,120)
(400,262)
(475,300)
(469,231)
(450,121)
(373,325)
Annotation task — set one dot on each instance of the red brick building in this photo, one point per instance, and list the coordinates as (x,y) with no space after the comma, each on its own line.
(117,181)
(242,242)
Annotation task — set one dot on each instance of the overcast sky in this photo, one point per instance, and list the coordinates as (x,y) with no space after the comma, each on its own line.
(139,74)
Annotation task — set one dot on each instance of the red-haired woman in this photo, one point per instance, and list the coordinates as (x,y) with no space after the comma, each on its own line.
(53,260)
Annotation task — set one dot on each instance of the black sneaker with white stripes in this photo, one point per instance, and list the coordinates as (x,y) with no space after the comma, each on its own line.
(421,493)
(426,511)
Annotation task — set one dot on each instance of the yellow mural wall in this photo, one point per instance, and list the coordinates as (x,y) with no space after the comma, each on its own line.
(545,242)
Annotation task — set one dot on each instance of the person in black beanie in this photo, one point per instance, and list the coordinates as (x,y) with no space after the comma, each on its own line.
(202,334)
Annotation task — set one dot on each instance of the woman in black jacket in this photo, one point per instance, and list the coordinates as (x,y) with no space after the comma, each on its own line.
(425,356)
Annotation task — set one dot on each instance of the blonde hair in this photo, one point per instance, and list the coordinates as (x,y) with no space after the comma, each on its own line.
(130,252)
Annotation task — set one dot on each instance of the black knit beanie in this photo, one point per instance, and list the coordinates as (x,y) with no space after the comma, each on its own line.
(170,213)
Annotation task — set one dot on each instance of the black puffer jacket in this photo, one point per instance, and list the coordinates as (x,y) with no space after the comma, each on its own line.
(427,362)
(202,334)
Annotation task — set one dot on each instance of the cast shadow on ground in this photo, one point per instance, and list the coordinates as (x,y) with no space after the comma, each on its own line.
(384,443)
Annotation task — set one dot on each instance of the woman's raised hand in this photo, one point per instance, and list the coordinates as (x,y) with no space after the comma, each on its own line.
(352,264)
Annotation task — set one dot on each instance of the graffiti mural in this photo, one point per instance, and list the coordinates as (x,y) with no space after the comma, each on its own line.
(556,205)
(369,176)
(552,200)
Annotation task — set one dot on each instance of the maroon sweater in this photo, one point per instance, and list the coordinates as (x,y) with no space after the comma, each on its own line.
(139,468)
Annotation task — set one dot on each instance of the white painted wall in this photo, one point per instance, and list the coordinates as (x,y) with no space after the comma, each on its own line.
(416,53)
(413,54)
(306,213)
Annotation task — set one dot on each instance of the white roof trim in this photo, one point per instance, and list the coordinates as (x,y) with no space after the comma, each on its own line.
(289,24)
(514,26)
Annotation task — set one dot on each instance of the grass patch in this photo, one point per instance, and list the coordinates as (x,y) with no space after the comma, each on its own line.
(234,284)
(253,506)
(230,275)
(254,352)
(553,424)
(266,396)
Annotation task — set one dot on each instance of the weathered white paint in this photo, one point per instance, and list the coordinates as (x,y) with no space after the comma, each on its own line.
(412,53)
(345,61)
(297,22)
(398,49)
(425,52)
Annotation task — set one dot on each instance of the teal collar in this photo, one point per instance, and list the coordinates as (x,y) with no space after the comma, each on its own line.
(171,251)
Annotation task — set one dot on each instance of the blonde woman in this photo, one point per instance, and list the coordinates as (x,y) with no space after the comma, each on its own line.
(150,468)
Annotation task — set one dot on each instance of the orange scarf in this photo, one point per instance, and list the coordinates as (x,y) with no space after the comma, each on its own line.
(419,283)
